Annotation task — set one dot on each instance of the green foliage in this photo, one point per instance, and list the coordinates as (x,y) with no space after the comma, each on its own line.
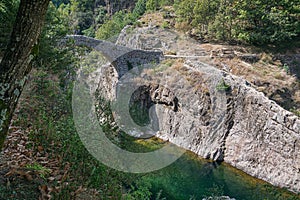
(52,127)
(49,107)
(11,192)
(222,26)
(166,3)
(119,20)
(286,68)
(256,22)
(202,12)
(79,14)
(295,111)
(8,11)
(152,5)
(140,191)
(264,21)
(165,24)
(48,54)
(56,25)
(42,171)
(223,86)
(114,26)
(57,3)
(184,10)
(91,62)
(100,17)
(140,8)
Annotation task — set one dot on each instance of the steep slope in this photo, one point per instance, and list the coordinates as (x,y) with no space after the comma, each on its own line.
(211,112)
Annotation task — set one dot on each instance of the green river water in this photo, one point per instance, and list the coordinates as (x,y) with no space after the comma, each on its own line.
(192,177)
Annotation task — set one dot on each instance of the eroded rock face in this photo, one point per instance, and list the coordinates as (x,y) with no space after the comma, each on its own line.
(215,114)
(151,94)
(155,38)
(249,131)
(264,141)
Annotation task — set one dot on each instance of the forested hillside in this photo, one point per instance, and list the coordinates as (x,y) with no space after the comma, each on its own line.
(256,22)
(43,157)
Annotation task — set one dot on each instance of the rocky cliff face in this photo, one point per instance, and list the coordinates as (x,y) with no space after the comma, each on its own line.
(254,134)
(218,116)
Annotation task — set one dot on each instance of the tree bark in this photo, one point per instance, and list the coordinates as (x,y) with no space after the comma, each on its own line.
(15,64)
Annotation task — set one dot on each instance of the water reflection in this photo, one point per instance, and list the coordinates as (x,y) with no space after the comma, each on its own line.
(193,178)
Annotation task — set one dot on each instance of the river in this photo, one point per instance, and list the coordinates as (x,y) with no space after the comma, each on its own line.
(193,178)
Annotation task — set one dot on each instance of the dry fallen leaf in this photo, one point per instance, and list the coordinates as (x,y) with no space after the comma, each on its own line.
(79,190)
(44,193)
(28,177)
(40,148)
(11,172)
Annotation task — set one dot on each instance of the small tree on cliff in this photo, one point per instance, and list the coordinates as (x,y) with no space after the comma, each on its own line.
(15,64)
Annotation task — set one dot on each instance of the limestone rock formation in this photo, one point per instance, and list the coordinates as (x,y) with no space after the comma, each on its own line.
(248,131)
(215,114)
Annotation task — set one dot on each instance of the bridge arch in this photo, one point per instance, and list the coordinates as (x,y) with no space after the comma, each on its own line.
(121,58)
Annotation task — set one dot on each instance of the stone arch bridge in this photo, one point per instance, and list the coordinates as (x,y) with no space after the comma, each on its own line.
(122,58)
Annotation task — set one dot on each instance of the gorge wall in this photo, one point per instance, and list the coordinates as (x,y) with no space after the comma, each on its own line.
(221,118)
(254,134)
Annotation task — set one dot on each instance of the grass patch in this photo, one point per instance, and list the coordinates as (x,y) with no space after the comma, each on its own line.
(223,86)
(43,171)
(45,112)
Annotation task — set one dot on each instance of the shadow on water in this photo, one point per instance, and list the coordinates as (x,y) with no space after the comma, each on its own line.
(191,177)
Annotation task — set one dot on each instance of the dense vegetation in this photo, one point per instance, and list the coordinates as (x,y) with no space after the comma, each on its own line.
(8,10)
(46,109)
(256,22)
(249,21)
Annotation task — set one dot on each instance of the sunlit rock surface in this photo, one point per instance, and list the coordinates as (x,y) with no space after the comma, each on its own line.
(218,116)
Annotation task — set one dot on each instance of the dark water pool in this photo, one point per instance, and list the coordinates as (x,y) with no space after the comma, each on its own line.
(191,177)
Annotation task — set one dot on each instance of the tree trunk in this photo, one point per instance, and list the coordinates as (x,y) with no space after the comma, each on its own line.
(15,64)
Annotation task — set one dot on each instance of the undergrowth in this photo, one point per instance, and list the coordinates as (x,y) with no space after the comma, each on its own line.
(45,112)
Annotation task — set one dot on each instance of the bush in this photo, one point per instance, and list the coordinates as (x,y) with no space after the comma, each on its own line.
(140,8)
(152,5)
(255,22)
(114,26)
(119,20)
